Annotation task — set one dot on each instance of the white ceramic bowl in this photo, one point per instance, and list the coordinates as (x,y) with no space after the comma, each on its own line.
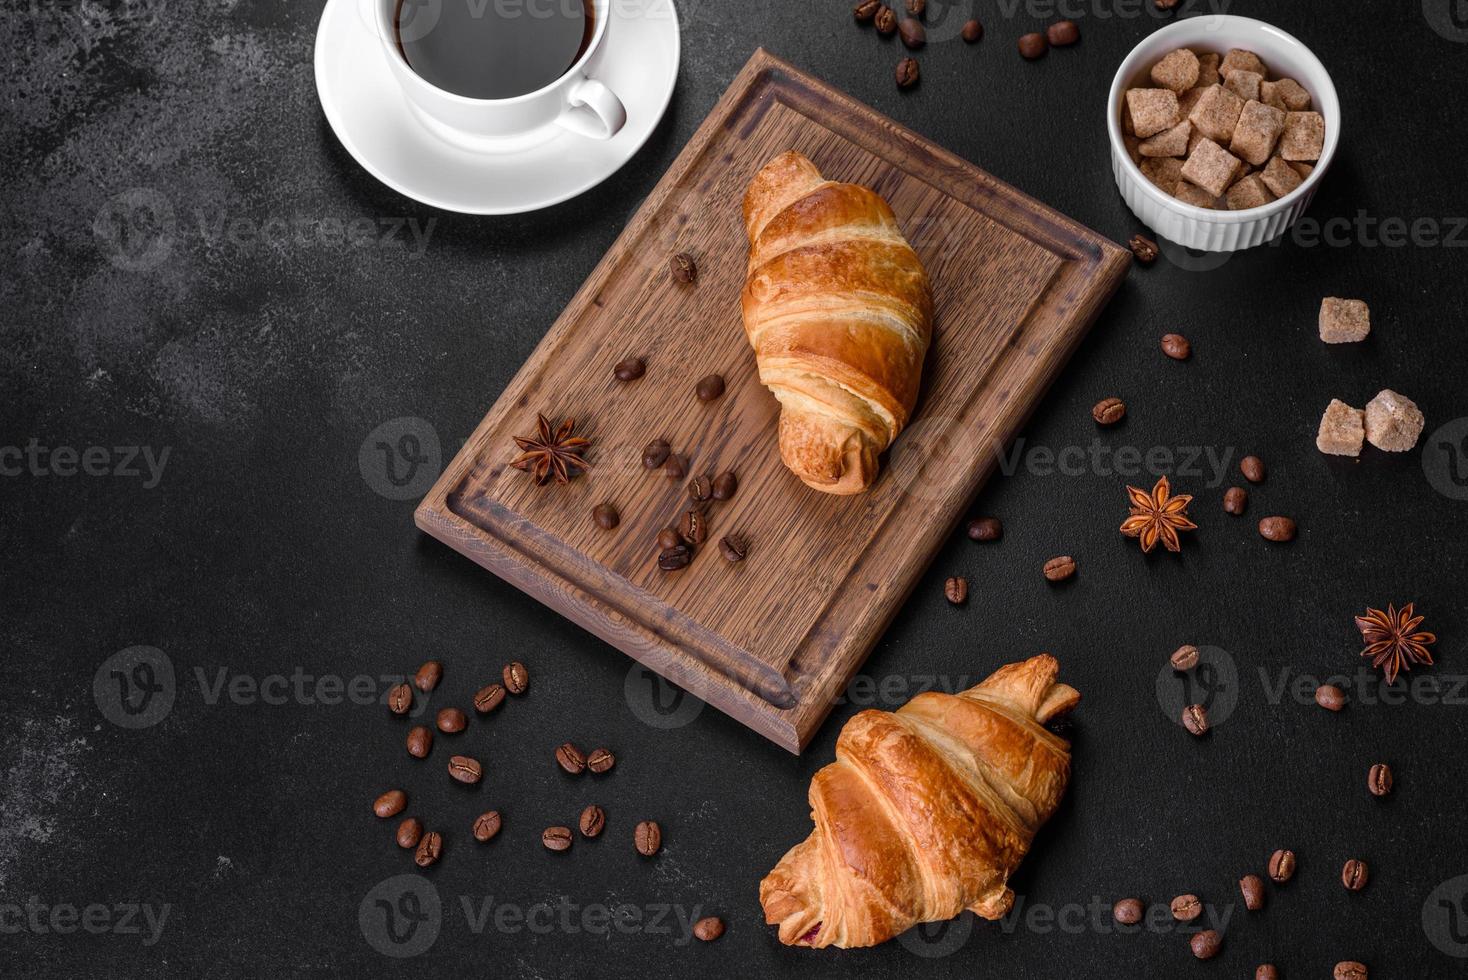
(1200,228)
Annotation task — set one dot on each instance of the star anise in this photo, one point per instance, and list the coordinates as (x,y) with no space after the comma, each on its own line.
(1391,640)
(550,454)
(1158,516)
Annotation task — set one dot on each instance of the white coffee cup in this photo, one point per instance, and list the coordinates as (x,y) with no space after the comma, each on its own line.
(575,101)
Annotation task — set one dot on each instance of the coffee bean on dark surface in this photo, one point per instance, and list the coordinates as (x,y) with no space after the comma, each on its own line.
(1185,658)
(726,484)
(390,804)
(1281,866)
(1186,908)
(1061,568)
(1277,529)
(866,10)
(410,832)
(466,770)
(487,825)
(430,848)
(734,547)
(1109,411)
(648,837)
(606,516)
(486,699)
(593,821)
(711,927)
(668,538)
(908,73)
(1349,970)
(1062,34)
(684,269)
(1252,887)
(556,838)
(630,370)
(886,21)
(676,467)
(420,741)
(956,590)
(1176,346)
(1330,697)
(1267,971)
(1206,944)
(972,31)
(1195,719)
(1144,248)
(516,677)
(400,699)
(428,676)
(1380,780)
(985,529)
(451,721)
(1235,501)
(655,453)
(1032,46)
(694,527)
(1128,911)
(1354,875)
(675,558)
(1253,469)
(912,32)
(600,761)
(571,759)
(710,387)
(917,7)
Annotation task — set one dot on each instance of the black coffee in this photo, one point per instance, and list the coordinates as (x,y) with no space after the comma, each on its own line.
(493,49)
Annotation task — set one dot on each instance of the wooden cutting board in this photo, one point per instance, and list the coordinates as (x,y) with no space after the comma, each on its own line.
(775,639)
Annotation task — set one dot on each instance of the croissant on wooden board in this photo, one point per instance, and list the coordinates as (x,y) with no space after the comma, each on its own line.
(839,311)
(926,811)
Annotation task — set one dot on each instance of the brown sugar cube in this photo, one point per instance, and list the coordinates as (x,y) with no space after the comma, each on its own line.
(1211,167)
(1178,71)
(1304,136)
(1133,147)
(1165,172)
(1153,110)
(1344,321)
(1194,140)
(1342,430)
(1195,195)
(1393,422)
(1216,113)
(1240,60)
(1280,177)
(1127,127)
(1208,69)
(1250,192)
(1303,169)
(1188,101)
(1169,143)
(1292,94)
(1244,84)
(1269,94)
(1257,132)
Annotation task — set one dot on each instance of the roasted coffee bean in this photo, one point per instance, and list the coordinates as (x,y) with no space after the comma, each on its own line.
(428,676)
(1354,875)
(886,21)
(593,821)
(1349,970)
(451,721)
(668,538)
(1267,971)
(866,10)
(734,547)
(684,269)
(701,488)
(1379,780)
(606,516)
(675,558)
(1330,697)
(556,838)
(1252,887)
(1279,529)
(956,590)
(1186,908)
(466,770)
(410,832)
(571,759)
(630,370)
(917,7)
(488,698)
(1281,866)
(711,927)
(648,837)
(1176,346)
(400,699)
(390,804)
(1253,469)
(516,677)
(1032,46)
(709,387)
(676,467)
(985,529)
(430,848)
(1236,501)
(1109,411)
(487,825)
(694,527)
(1062,34)
(420,741)
(912,32)
(1185,658)
(1128,911)
(1206,944)
(655,453)
(726,484)
(1195,719)
(908,73)
(600,761)
(972,31)
(1144,249)
(1060,569)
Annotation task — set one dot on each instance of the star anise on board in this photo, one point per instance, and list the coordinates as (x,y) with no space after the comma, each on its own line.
(1392,640)
(1158,516)
(548,454)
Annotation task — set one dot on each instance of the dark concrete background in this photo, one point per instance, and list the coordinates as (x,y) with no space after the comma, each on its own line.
(263,549)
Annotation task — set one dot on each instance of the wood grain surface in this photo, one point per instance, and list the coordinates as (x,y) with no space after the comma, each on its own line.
(772,640)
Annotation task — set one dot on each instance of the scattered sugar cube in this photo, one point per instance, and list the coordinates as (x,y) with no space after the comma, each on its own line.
(1178,71)
(1304,136)
(1257,131)
(1211,167)
(1170,142)
(1280,177)
(1195,195)
(1293,94)
(1165,172)
(1153,110)
(1393,422)
(1250,192)
(1244,84)
(1216,113)
(1208,69)
(1344,321)
(1240,60)
(1342,430)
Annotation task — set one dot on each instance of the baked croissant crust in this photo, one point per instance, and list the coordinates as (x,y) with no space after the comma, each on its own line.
(926,811)
(839,312)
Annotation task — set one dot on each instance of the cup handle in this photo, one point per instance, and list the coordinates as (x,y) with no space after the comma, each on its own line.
(594,112)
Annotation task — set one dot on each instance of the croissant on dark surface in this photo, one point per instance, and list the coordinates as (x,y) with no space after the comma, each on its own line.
(839,311)
(926,811)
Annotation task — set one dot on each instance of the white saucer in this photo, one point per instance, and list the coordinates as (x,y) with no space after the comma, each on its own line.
(638,60)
